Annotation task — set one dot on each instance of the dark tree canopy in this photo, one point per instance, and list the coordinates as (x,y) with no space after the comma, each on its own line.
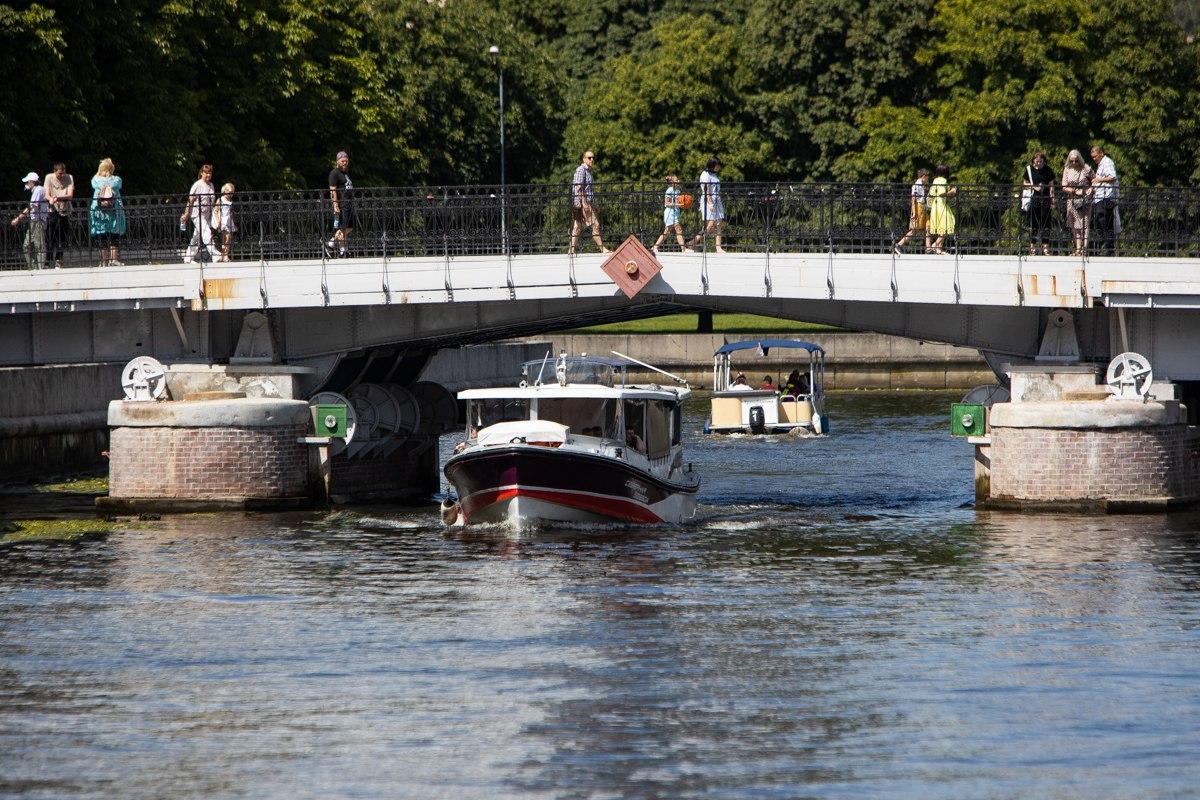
(269,90)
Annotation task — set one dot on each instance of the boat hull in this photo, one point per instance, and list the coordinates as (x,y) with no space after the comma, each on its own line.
(526,484)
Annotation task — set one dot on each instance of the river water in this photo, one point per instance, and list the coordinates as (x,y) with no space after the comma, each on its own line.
(838,622)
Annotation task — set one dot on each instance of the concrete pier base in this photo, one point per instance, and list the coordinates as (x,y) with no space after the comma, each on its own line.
(1104,455)
(242,453)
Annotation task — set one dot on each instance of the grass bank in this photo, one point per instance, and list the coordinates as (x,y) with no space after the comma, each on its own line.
(722,323)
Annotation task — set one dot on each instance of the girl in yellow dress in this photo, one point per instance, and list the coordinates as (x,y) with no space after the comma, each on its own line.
(941,216)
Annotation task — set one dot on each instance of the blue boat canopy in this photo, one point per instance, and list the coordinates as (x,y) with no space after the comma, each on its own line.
(766,344)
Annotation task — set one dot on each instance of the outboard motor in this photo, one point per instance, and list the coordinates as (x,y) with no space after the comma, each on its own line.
(758,420)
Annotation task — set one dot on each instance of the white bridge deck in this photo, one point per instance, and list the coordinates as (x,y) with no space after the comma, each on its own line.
(1059,282)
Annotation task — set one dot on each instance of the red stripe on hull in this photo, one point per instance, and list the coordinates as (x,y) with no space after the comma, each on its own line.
(615,508)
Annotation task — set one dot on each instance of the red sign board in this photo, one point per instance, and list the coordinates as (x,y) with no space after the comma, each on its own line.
(631,266)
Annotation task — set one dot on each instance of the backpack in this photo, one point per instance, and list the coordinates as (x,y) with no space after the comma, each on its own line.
(106,198)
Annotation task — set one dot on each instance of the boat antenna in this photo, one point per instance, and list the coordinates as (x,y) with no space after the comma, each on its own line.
(538,382)
(650,366)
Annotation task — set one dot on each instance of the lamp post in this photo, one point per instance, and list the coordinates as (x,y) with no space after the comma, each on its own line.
(494,52)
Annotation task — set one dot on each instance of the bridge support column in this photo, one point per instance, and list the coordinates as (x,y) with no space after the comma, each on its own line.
(199,454)
(1057,445)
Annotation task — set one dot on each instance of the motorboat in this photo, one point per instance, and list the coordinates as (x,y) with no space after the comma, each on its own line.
(574,442)
(797,404)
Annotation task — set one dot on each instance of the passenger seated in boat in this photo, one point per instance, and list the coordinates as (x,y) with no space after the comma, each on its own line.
(634,441)
(767,383)
(739,383)
(797,384)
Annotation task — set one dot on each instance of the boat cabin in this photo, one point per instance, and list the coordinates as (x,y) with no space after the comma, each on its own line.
(583,401)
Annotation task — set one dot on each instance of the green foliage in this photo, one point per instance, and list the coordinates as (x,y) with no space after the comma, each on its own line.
(667,109)
(812,66)
(269,90)
(1005,80)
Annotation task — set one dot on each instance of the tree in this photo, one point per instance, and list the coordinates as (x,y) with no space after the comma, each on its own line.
(811,67)
(667,108)
(1040,74)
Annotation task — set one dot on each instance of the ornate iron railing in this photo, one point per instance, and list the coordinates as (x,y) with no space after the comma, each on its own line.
(536,219)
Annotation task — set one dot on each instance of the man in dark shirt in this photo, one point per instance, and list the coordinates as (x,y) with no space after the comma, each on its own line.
(341,194)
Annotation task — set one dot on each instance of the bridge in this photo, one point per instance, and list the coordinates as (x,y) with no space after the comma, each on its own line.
(438,267)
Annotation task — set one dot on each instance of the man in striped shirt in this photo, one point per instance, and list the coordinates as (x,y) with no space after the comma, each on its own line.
(583,211)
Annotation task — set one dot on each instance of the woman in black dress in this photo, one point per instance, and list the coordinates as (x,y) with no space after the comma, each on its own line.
(1040,180)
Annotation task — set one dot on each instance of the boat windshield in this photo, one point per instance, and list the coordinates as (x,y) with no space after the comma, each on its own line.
(586,416)
(489,411)
(579,369)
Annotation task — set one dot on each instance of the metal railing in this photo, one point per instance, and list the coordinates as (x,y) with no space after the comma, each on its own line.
(536,219)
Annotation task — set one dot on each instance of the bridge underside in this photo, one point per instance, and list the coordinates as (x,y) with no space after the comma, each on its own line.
(317,336)
(320,313)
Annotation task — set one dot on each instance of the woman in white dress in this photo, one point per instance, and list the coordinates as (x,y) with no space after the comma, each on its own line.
(712,210)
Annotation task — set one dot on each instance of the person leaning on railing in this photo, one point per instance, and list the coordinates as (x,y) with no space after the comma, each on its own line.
(1039,182)
(1077,186)
(106,217)
(37,211)
(1106,218)
(60,191)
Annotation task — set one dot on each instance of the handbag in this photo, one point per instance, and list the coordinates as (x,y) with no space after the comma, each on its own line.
(1027,192)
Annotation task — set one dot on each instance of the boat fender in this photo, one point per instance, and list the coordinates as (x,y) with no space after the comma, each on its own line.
(818,424)
(449,511)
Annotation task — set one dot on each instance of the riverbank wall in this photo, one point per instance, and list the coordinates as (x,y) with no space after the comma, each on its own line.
(852,360)
(55,418)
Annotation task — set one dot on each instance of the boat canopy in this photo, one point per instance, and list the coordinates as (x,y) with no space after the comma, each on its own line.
(766,344)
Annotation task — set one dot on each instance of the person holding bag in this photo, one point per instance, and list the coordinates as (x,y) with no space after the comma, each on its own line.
(1077,186)
(1036,199)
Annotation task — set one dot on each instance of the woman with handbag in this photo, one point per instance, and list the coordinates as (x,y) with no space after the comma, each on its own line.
(106,216)
(1036,198)
(1077,186)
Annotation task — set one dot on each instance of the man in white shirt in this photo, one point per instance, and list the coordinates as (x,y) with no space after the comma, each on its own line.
(60,191)
(1106,220)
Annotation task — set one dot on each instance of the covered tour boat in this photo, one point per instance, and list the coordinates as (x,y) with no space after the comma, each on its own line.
(573,442)
(741,406)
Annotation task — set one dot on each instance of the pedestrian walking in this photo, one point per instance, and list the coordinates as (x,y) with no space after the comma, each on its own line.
(1077,186)
(672,203)
(918,211)
(941,215)
(60,191)
(199,207)
(341,194)
(223,219)
(36,212)
(1106,218)
(712,209)
(106,217)
(1039,183)
(583,204)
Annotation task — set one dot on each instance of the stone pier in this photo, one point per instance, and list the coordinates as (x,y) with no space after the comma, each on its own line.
(230,452)
(1057,445)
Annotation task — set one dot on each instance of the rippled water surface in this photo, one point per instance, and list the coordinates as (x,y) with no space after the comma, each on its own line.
(837,623)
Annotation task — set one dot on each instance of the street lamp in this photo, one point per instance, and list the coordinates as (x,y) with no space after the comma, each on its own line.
(494,52)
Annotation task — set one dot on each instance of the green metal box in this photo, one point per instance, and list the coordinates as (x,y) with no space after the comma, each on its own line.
(968,419)
(329,420)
